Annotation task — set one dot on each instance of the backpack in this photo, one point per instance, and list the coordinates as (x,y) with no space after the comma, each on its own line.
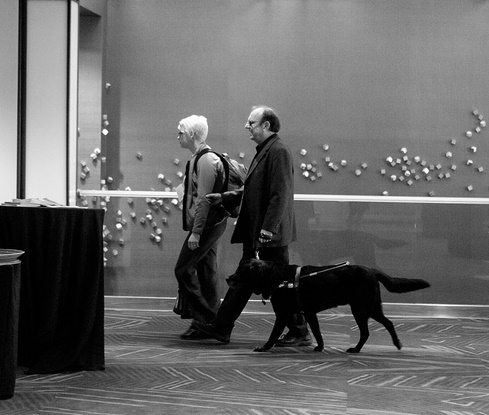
(235,174)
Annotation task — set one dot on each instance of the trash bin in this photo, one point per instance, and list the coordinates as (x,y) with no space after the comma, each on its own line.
(9,319)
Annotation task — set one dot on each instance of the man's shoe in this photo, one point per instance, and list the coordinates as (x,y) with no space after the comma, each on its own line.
(209,330)
(291,340)
(193,334)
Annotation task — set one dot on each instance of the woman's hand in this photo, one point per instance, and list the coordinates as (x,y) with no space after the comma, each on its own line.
(214,198)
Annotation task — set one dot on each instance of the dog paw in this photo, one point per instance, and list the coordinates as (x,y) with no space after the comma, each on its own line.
(398,344)
(318,348)
(352,350)
(260,349)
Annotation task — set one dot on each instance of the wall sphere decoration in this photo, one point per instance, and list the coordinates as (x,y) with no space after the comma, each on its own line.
(403,168)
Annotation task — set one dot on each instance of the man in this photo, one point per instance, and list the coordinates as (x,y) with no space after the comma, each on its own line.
(266,221)
(196,267)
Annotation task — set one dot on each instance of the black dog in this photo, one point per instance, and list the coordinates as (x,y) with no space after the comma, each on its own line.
(314,289)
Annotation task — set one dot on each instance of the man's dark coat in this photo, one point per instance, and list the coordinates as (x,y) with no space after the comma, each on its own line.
(267,198)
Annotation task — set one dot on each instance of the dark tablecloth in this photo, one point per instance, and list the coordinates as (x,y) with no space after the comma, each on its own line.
(9,323)
(61,318)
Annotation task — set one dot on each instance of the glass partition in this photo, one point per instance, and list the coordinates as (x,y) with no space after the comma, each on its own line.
(444,243)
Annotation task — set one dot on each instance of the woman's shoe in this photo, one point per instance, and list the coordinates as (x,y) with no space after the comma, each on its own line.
(193,334)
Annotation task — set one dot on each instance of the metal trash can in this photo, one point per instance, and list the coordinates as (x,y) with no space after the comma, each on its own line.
(9,319)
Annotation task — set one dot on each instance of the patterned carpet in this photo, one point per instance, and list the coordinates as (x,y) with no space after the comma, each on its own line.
(443,368)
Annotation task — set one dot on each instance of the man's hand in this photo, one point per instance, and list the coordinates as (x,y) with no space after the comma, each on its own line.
(193,241)
(265,236)
(214,198)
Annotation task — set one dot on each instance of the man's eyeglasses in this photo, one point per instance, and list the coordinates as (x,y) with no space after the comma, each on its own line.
(252,123)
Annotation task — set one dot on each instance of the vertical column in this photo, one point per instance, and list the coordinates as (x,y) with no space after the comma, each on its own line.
(73,96)
(51,98)
(8,98)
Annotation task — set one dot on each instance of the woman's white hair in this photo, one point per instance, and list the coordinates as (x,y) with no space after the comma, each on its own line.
(196,125)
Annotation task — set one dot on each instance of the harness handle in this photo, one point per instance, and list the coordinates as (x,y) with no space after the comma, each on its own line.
(332,267)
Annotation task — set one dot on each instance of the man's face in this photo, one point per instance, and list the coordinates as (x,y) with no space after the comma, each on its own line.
(254,126)
(184,139)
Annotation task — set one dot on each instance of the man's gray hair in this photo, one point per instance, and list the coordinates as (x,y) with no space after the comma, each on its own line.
(196,125)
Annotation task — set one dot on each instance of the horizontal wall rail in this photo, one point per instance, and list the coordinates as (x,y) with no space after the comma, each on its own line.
(305,197)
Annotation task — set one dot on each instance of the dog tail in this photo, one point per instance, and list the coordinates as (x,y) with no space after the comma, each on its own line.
(401,285)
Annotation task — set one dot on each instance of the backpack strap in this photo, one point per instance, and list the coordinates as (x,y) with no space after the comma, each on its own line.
(223,161)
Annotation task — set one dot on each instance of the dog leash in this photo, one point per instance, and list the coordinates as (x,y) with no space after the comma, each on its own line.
(295,284)
(331,268)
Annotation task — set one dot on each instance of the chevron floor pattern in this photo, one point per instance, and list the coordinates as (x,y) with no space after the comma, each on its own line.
(442,369)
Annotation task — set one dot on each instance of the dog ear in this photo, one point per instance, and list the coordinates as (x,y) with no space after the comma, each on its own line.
(247,276)
(234,281)
(246,266)
(243,277)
